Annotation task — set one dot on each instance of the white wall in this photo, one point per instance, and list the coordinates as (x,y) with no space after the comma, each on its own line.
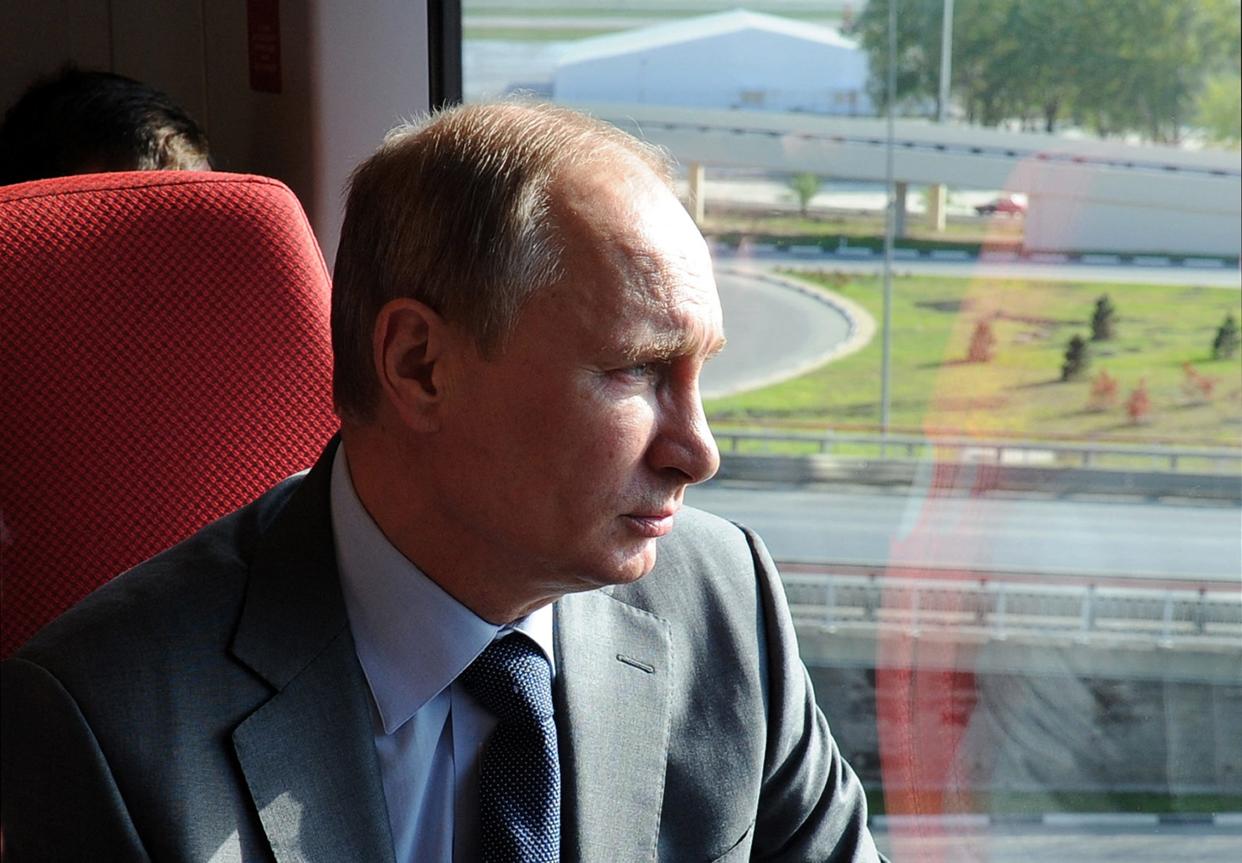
(1070,224)
(720,71)
(351,69)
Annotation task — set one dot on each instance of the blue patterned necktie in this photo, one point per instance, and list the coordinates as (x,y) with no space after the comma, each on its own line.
(519,774)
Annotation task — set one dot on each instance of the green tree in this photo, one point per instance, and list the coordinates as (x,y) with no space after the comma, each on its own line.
(1103,320)
(1117,67)
(1218,111)
(918,49)
(1153,57)
(805,186)
(1077,358)
(1227,339)
(987,48)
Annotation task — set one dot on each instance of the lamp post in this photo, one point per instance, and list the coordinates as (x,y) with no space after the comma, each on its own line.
(890,222)
(946,60)
(937,197)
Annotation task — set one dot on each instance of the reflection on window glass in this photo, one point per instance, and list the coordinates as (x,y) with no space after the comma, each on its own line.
(1016,567)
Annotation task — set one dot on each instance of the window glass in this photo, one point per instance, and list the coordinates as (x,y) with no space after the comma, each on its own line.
(983,390)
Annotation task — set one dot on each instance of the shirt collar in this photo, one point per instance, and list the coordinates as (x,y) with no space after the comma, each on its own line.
(412,638)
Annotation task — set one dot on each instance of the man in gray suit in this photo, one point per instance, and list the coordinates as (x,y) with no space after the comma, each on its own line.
(521,310)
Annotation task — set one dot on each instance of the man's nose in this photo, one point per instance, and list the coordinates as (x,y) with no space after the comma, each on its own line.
(684,443)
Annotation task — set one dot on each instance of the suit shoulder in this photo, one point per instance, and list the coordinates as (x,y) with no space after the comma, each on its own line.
(191,590)
(702,537)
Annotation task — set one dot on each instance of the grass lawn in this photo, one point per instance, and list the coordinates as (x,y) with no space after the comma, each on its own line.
(1019,393)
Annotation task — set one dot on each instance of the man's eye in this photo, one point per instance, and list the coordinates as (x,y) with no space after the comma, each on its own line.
(639,371)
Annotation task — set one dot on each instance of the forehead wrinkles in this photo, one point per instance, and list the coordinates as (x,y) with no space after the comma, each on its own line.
(669,322)
(649,278)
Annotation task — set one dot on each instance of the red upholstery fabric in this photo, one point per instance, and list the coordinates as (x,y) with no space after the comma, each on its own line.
(166,357)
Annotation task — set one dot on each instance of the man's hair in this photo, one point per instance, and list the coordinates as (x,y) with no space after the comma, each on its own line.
(455,212)
(85,121)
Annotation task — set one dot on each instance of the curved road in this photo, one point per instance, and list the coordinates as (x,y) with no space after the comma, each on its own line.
(774,332)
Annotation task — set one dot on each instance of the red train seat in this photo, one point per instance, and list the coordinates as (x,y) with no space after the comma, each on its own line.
(166,357)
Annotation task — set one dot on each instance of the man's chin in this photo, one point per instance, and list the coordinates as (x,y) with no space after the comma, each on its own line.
(643,562)
(628,568)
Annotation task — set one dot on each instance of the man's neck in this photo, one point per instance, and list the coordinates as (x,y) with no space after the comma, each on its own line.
(408,517)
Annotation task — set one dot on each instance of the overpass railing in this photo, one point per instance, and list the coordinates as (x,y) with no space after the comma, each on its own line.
(910,136)
(999,608)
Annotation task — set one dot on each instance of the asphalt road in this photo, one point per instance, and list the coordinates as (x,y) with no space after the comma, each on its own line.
(1114,537)
(774,333)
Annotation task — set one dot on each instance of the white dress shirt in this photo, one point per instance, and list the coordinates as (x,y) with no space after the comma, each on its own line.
(413,639)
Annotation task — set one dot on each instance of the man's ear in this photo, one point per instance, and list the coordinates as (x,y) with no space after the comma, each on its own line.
(408,345)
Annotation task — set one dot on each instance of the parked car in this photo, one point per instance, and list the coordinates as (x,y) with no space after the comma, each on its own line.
(1006,205)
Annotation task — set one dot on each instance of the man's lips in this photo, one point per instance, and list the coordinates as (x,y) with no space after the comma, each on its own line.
(652,524)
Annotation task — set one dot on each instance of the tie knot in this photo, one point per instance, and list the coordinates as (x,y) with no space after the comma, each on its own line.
(513,680)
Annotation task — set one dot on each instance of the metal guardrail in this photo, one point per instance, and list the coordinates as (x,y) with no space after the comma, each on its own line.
(1170,617)
(965,450)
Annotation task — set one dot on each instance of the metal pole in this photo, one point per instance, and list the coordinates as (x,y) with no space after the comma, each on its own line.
(938,195)
(946,60)
(889,221)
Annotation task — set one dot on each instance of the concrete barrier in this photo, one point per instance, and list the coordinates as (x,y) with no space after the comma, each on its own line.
(998,256)
(855,252)
(977,478)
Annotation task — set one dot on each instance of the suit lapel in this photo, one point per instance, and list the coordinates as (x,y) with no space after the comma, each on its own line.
(612,692)
(308,754)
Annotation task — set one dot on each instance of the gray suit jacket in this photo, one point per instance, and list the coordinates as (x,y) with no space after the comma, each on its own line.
(208,705)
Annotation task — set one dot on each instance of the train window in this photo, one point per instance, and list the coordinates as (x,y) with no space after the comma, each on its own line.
(982,393)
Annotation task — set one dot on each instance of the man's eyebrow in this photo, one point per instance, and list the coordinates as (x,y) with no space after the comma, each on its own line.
(667,345)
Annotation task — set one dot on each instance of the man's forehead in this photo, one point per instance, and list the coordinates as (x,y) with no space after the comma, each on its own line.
(633,256)
(670,309)
(610,195)
(628,219)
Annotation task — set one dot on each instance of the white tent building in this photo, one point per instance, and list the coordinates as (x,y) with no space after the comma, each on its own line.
(734,59)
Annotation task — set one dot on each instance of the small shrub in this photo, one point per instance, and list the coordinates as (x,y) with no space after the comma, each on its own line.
(1077,358)
(1197,386)
(982,344)
(805,186)
(1138,405)
(1103,392)
(1227,339)
(1103,320)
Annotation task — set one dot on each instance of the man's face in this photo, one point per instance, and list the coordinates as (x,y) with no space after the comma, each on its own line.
(570,452)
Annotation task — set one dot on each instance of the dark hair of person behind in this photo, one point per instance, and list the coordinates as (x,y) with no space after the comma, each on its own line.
(81,122)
